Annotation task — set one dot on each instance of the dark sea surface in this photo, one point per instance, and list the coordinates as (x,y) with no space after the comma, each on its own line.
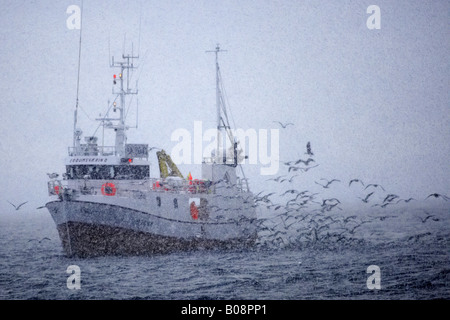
(303,256)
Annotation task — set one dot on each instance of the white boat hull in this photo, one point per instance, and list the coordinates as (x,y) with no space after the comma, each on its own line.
(93,228)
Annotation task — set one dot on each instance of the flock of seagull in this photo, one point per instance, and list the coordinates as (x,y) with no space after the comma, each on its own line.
(304,219)
(298,223)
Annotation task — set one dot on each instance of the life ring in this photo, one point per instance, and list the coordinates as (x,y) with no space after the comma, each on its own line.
(109,189)
(194,211)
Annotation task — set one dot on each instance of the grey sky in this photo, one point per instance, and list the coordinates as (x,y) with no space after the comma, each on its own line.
(373,103)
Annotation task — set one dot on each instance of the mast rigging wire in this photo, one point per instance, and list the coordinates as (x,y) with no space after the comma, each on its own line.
(78,76)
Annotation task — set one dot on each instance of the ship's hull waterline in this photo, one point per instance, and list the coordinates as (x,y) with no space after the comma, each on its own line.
(89,229)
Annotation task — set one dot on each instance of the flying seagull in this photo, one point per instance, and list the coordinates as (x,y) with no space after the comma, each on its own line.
(375,185)
(328,182)
(357,226)
(406,200)
(293,168)
(283,125)
(308,149)
(384,205)
(291,191)
(17,207)
(306,162)
(291,179)
(306,169)
(437,195)
(366,199)
(355,180)
(277,179)
(390,197)
(427,217)
(381,218)
(330,200)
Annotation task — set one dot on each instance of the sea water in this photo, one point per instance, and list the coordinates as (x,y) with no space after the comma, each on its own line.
(313,258)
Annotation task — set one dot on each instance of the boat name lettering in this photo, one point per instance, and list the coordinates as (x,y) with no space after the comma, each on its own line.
(86,160)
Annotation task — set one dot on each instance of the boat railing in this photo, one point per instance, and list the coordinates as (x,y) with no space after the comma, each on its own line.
(225,160)
(138,188)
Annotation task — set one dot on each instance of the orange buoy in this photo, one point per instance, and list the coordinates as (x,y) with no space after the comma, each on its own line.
(56,188)
(109,189)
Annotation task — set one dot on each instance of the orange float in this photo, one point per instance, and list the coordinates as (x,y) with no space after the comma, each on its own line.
(194,211)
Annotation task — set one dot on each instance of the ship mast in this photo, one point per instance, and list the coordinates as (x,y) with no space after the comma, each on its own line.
(220,121)
(223,122)
(125,66)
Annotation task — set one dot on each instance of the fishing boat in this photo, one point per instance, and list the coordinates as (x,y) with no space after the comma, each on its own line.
(109,201)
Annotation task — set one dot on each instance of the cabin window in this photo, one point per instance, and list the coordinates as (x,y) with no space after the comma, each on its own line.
(102,172)
(158,201)
(175,203)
